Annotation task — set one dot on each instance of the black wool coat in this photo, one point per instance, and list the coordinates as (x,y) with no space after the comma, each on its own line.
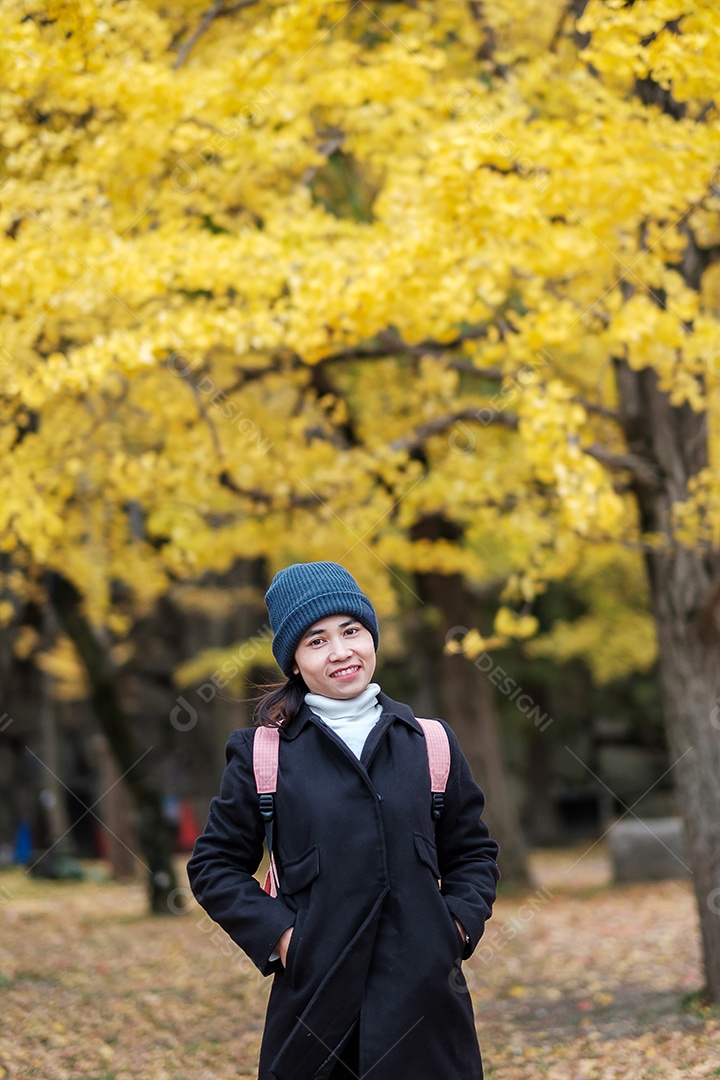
(371,884)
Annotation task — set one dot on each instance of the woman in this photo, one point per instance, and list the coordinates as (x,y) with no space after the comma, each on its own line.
(364,947)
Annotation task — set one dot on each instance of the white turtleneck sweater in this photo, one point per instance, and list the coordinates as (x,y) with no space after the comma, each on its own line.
(350,718)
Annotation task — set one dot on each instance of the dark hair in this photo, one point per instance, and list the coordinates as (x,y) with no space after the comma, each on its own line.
(279,702)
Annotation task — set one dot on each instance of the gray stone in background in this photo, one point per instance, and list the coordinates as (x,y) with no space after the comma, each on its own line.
(650,850)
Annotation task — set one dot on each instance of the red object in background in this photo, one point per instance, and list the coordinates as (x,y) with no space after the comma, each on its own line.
(102,847)
(187,833)
(188,828)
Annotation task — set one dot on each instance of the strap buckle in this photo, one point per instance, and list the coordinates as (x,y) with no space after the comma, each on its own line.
(267,807)
(438,804)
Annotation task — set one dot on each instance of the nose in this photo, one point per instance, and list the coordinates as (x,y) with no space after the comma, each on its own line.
(340,649)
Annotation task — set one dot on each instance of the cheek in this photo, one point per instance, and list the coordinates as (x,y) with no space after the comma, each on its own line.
(368,652)
(307,663)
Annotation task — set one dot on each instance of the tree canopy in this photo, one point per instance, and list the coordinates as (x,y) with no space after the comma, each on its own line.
(283,279)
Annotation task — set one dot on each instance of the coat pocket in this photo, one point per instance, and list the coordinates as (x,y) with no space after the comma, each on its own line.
(297,874)
(427,852)
(295,942)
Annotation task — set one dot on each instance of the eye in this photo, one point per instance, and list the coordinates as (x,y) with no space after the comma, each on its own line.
(352,629)
(315,641)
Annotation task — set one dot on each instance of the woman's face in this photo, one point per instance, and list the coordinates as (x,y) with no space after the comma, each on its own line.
(336,657)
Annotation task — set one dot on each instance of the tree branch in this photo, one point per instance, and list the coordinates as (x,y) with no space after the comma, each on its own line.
(574,10)
(206,417)
(214,12)
(264,498)
(599,410)
(491,374)
(389,343)
(417,438)
(645,474)
(488,48)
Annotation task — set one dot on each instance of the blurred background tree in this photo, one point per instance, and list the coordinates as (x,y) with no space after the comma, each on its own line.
(430,291)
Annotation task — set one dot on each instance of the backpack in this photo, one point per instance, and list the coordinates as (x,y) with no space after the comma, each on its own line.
(266,746)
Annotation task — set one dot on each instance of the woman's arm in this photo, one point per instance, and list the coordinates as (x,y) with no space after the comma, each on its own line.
(226,857)
(466,853)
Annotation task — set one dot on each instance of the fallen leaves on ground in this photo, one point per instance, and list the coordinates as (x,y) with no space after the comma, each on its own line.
(574,980)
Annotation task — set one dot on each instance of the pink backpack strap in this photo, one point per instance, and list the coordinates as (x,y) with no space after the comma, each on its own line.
(266,745)
(265,759)
(437,745)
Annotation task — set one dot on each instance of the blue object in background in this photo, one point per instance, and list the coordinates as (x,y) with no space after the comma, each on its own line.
(171,810)
(23,843)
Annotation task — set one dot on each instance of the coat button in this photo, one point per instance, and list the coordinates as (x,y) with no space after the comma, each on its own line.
(379,796)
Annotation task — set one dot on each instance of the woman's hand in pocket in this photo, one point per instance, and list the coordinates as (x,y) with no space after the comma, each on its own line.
(282,945)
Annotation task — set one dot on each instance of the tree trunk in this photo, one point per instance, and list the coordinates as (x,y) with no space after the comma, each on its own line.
(540,817)
(465,700)
(115,807)
(685,588)
(53,790)
(153,830)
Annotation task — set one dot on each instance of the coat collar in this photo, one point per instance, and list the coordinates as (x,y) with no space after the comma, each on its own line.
(395,709)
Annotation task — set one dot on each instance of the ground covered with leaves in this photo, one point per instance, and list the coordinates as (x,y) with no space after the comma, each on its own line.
(574,980)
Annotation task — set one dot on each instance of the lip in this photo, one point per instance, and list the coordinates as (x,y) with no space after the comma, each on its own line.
(349,672)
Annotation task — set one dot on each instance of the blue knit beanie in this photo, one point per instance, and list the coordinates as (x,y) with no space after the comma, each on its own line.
(301,594)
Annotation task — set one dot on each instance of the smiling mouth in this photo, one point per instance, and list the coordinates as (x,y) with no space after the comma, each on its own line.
(346,672)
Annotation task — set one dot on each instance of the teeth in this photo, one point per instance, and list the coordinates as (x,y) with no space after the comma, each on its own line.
(344,671)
